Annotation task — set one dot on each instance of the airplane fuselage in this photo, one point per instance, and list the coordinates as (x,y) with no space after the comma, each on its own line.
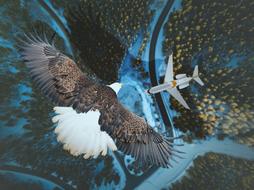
(182,83)
(172,83)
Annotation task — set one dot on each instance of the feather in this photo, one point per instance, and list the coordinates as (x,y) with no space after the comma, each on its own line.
(82,130)
(80,133)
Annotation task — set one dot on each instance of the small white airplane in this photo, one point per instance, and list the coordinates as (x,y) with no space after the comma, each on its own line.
(170,84)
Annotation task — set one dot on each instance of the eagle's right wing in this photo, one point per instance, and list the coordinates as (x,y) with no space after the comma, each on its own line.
(134,136)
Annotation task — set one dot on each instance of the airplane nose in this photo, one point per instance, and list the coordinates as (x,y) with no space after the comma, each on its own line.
(147,91)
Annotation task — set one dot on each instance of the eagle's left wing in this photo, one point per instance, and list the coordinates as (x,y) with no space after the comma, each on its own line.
(76,96)
(57,75)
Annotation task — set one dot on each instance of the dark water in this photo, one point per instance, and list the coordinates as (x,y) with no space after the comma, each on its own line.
(30,156)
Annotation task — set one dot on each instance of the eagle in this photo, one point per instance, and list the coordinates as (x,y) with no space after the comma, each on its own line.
(89,119)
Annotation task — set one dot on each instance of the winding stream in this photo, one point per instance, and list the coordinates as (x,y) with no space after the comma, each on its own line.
(140,103)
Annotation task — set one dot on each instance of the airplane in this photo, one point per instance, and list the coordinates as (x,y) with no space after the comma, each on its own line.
(181,81)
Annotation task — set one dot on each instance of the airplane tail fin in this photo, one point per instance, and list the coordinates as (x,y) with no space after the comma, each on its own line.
(196,77)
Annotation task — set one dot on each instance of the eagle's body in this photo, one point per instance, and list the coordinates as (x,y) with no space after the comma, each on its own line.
(90,119)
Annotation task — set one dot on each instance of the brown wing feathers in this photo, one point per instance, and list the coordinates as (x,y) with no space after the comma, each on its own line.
(55,74)
(64,83)
(135,137)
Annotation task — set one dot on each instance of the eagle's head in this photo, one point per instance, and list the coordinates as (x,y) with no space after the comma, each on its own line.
(116,86)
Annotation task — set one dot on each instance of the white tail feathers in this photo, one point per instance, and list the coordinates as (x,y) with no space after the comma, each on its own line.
(80,133)
(196,77)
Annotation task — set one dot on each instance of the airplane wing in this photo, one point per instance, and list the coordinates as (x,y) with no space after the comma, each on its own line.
(176,94)
(169,72)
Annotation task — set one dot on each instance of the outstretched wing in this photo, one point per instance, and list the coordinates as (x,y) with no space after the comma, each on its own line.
(135,137)
(57,75)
